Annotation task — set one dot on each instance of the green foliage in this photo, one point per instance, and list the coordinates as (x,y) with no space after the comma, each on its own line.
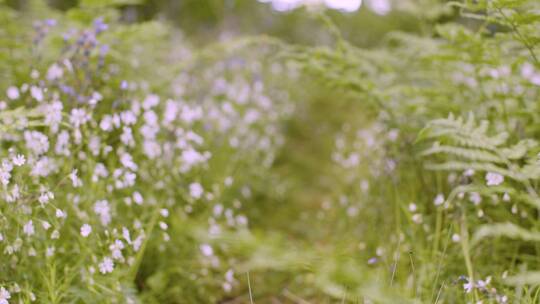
(402,172)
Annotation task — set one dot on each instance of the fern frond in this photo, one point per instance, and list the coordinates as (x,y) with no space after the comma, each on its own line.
(507,230)
(468,153)
(528,277)
(520,149)
(466,133)
(517,196)
(488,167)
(531,170)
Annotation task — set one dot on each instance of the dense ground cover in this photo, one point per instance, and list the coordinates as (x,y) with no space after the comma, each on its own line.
(314,160)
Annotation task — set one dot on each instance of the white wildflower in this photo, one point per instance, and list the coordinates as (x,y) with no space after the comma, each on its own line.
(53,114)
(36,93)
(206,250)
(468,172)
(36,141)
(116,249)
(475,198)
(439,200)
(12,93)
(417,218)
(43,167)
(468,287)
(126,235)
(4,296)
(138,198)
(46,225)
(60,214)
(151,101)
(28,228)
(4,176)
(45,197)
(380,7)
(55,234)
(75,180)
(196,190)
(494,179)
(18,160)
(102,209)
(78,117)
(106,266)
(54,72)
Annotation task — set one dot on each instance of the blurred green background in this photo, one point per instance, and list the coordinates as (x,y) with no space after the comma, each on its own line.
(207,20)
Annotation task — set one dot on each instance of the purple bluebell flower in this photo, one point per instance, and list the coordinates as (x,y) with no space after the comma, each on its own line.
(100,26)
(50,22)
(104,49)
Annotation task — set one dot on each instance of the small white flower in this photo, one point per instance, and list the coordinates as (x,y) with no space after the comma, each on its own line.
(439,200)
(468,287)
(4,176)
(12,93)
(106,266)
(28,228)
(137,243)
(475,198)
(455,238)
(45,197)
(75,180)
(206,250)
(468,172)
(116,250)
(102,209)
(36,141)
(37,93)
(484,283)
(54,72)
(494,179)
(137,198)
(86,230)
(196,190)
(417,218)
(150,101)
(46,225)
(126,235)
(55,235)
(380,7)
(4,296)
(18,160)
(60,214)
(227,287)
(78,117)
